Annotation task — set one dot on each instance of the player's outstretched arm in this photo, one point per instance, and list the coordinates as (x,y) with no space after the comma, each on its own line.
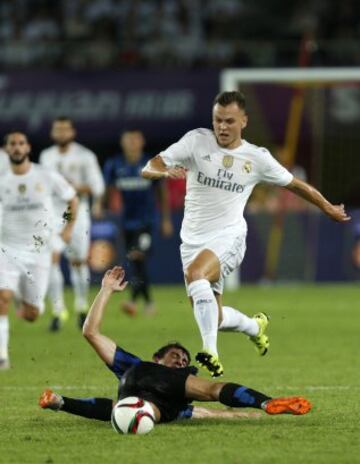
(156,169)
(162,194)
(113,281)
(69,217)
(309,193)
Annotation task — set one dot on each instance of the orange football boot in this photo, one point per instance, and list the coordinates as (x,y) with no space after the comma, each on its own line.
(296,405)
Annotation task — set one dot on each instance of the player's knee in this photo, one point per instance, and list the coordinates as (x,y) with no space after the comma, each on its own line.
(5,300)
(31,314)
(193,273)
(210,392)
(214,391)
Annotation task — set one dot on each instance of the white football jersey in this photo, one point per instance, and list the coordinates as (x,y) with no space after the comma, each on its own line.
(219,182)
(4,162)
(4,168)
(28,210)
(79,166)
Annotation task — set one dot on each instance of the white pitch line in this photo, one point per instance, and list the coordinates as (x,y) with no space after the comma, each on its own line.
(109,388)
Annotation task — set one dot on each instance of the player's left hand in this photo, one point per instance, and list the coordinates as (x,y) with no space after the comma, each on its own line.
(338,213)
(167,228)
(114,279)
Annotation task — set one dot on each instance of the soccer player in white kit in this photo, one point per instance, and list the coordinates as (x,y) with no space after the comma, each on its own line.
(80,167)
(221,170)
(26,196)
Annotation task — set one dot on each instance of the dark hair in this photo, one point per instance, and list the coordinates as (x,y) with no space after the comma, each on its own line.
(14,131)
(226,98)
(64,119)
(131,129)
(161,352)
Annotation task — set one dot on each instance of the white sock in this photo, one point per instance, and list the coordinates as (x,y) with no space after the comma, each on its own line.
(235,321)
(56,289)
(206,313)
(80,278)
(4,337)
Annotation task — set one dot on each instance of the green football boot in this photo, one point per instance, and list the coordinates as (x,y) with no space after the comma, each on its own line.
(210,362)
(261,340)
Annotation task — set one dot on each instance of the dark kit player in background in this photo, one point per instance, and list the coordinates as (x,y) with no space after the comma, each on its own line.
(139,197)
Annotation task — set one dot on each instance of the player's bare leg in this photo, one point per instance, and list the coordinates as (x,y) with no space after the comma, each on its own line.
(56,294)
(202,271)
(28,312)
(80,278)
(5,300)
(239,396)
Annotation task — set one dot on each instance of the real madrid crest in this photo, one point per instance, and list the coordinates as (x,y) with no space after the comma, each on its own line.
(228,161)
(22,188)
(247,167)
(39,187)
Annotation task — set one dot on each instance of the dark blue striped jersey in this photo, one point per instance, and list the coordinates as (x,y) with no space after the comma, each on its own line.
(137,193)
(123,361)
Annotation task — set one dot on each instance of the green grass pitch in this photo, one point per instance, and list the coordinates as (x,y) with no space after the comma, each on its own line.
(314,336)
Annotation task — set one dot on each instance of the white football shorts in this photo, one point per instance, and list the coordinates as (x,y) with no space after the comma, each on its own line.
(78,247)
(229,249)
(27,276)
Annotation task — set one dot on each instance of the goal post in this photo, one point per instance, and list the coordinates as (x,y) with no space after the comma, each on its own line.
(309,118)
(232,77)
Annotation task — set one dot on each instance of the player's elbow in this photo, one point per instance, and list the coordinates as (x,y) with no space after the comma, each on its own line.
(145,172)
(89,333)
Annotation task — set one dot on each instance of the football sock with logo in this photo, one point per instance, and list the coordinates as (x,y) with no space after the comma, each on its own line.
(56,289)
(4,337)
(80,278)
(238,396)
(235,321)
(92,408)
(206,313)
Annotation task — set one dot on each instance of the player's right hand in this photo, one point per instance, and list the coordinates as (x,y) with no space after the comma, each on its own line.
(338,213)
(114,279)
(176,173)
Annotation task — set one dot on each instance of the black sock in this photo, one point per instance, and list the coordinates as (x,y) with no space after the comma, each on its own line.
(238,396)
(140,284)
(92,408)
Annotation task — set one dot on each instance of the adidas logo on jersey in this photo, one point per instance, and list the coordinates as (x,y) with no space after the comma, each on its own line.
(206,158)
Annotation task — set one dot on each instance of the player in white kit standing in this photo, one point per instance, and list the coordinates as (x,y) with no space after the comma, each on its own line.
(80,167)
(26,196)
(221,170)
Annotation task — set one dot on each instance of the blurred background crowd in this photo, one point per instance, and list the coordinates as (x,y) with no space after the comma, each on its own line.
(156,65)
(80,34)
